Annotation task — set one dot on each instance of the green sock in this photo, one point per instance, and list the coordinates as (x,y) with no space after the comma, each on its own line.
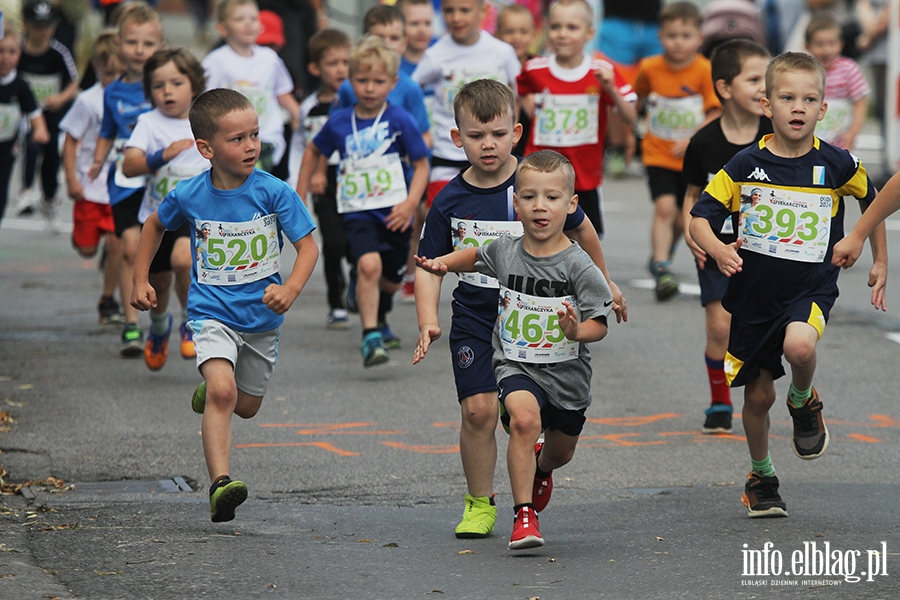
(763,467)
(798,397)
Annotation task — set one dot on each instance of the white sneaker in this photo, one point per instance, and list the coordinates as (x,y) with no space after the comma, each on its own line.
(337,319)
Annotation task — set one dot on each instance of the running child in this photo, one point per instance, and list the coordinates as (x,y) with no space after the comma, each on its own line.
(782,283)
(677,90)
(473,209)
(373,139)
(419,17)
(547,390)
(846,90)
(162,149)
(572,95)
(235,315)
(515,26)
(139,36)
(255,71)
(739,76)
(16,102)
(92,221)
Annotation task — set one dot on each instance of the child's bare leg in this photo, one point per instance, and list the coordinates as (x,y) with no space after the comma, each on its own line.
(662,232)
(558,450)
(181,266)
(759,396)
(524,430)
(222,400)
(477,444)
(162,283)
(129,239)
(718,326)
(800,341)
(112,265)
(368,272)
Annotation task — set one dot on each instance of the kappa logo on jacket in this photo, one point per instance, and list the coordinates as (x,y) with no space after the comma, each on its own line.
(759,175)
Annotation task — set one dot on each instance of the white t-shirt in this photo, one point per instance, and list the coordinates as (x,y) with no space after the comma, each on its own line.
(82,122)
(448,66)
(262,78)
(153,132)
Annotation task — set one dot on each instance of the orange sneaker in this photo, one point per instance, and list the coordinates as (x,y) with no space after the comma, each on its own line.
(187,342)
(156,350)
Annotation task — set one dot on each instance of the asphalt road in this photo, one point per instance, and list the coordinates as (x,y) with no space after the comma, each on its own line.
(354,474)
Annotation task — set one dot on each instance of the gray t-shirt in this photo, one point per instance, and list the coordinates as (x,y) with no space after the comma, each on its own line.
(567,273)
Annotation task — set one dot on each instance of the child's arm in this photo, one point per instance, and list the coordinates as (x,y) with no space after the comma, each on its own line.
(586,236)
(878,272)
(626,109)
(104,145)
(401,215)
(55,103)
(860,110)
(847,251)
(137,163)
(70,151)
(39,132)
(318,183)
(308,166)
(592,330)
(461,261)
(143,296)
(279,298)
(725,255)
(691,195)
(428,297)
(289,103)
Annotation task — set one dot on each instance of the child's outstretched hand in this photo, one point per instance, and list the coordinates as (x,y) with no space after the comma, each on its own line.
(728,259)
(878,283)
(143,296)
(432,265)
(618,305)
(429,334)
(278,298)
(568,321)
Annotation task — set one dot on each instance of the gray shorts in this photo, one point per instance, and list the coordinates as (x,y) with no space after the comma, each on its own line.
(251,354)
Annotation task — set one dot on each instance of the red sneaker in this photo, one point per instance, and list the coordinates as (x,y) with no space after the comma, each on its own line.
(525,532)
(540,493)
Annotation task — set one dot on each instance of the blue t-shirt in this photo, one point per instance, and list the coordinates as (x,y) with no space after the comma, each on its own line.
(196,201)
(407,94)
(123,103)
(396,133)
(461,200)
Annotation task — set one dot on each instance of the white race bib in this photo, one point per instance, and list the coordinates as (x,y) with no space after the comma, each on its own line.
(454,79)
(43,86)
(675,118)
(785,223)
(566,120)
(475,234)
(236,253)
(257,95)
(837,120)
(370,183)
(530,331)
(10,117)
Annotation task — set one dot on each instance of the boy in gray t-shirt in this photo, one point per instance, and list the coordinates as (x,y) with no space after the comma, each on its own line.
(553,301)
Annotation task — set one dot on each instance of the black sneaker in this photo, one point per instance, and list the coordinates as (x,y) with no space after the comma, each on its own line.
(110,312)
(810,434)
(718,419)
(761,497)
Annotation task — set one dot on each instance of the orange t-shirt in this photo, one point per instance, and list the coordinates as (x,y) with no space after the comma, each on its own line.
(677,102)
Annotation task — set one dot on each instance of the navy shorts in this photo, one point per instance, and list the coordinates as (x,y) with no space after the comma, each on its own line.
(569,422)
(470,347)
(163,260)
(367,236)
(665,181)
(713,282)
(756,346)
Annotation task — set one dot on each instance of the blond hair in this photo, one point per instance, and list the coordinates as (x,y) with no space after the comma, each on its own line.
(137,12)
(371,50)
(589,12)
(793,62)
(548,161)
(225,6)
(105,48)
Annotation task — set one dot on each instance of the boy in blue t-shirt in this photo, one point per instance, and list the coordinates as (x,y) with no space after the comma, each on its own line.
(375,140)
(237,298)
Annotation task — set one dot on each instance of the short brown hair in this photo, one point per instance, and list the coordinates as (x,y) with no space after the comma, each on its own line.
(211,106)
(137,12)
(224,6)
(383,14)
(681,11)
(324,40)
(728,59)
(548,161)
(104,47)
(793,62)
(513,9)
(186,64)
(372,49)
(485,99)
(401,4)
(818,24)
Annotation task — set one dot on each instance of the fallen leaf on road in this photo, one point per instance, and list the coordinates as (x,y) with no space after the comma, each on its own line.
(105,573)
(466,552)
(364,541)
(391,545)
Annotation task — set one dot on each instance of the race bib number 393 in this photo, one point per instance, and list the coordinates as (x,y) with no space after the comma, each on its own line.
(475,234)
(529,328)
(236,253)
(786,223)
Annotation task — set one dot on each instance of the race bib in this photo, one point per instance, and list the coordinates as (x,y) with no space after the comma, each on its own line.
(475,234)
(43,86)
(567,120)
(529,328)
(10,117)
(370,183)
(675,118)
(257,95)
(164,181)
(837,120)
(119,177)
(785,223)
(453,80)
(236,253)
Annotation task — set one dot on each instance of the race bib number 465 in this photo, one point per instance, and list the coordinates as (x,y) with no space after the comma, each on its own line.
(236,253)
(530,330)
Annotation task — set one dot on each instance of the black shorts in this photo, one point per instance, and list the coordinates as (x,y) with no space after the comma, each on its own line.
(472,353)
(713,282)
(163,260)
(591,202)
(569,422)
(365,236)
(125,212)
(756,346)
(665,181)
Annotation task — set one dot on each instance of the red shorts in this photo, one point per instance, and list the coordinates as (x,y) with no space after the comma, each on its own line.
(432,190)
(90,222)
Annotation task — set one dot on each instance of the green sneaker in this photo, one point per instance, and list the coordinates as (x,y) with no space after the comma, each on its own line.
(478,518)
(198,400)
(224,496)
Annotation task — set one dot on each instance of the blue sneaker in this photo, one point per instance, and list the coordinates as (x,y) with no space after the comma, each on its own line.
(373,350)
(391,341)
